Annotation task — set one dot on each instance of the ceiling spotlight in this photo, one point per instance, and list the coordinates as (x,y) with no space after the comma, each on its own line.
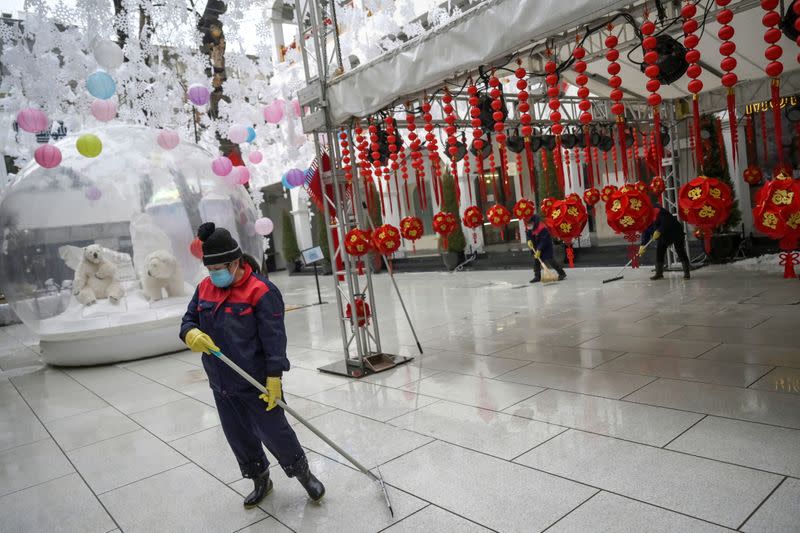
(606,143)
(569,140)
(671,62)
(462,151)
(789,25)
(536,143)
(485,151)
(487,118)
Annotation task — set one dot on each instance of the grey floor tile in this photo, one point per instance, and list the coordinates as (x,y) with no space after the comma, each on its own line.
(733,374)
(497,494)
(755,336)
(779,512)
(371,443)
(475,345)
(744,443)
(18,424)
(352,502)
(561,355)
(609,513)
(210,450)
(670,347)
(127,391)
(649,327)
(313,359)
(755,355)
(31,464)
(607,384)
(399,376)
(175,374)
(640,423)
(184,499)
(306,408)
(730,402)
(471,390)
(177,419)
(65,505)
(304,382)
(720,493)
(52,394)
(372,401)
(88,428)
(489,432)
(782,379)
(268,525)
(112,463)
(568,337)
(435,519)
(470,364)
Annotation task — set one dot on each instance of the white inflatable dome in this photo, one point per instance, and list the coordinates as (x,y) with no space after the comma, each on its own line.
(132,200)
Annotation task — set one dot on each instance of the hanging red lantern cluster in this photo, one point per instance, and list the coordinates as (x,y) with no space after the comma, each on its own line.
(394,164)
(345,148)
(477,134)
(557,128)
(411,229)
(386,239)
(705,203)
(774,68)
(375,152)
(417,162)
(526,129)
(658,186)
(452,140)
(650,44)
(777,215)
(628,209)
(357,244)
(566,219)
(444,224)
(404,174)
(728,65)
(473,219)
(524,209)
(585,105)
(496,93)
(618,108)
(753,175)
(363,312)
(607,191)
(362,145)
(591,196)
(499,217)
(547,205)
(690,41)
(433,152)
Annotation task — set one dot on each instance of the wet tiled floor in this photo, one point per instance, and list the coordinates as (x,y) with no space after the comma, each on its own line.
(632,406)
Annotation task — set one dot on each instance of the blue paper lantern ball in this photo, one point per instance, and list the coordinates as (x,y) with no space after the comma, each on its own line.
(251,134)
(101,85)
(285,183)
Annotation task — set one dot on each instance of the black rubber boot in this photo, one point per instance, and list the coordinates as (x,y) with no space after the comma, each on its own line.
(659,272)
(313,486)
(536,280)
(687,271)
(262,487)
(562,276)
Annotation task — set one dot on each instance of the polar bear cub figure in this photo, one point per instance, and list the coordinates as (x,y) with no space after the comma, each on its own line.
(161,273)
(95,278)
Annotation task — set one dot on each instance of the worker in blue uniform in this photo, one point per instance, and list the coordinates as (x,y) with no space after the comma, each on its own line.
(540,241)
(238,312)
(666,231)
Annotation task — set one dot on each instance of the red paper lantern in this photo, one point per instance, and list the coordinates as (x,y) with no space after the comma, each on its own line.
(524,209)
(753,175)
(650,46)
(357,242)
(566,220)
(607,191)
(547,205)
(499,216)
(386,239)
(728,64)
(705,203)
(363,312)
(591,196)
(444,224)
(658,185)
(473,218)
(411,229)
(777,211)
(629,210)
(782,170)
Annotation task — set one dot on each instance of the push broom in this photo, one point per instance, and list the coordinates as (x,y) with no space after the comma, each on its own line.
(620,276)
(548,275)
(250,379)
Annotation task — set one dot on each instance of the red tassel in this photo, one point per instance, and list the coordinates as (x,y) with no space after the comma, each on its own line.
(360,267)
(389,194)
(569,167)
(707,240)
(481,178)
(383,203)
(658,146)
(764,136)
(734,126)
(559,163)
(531,167)
(721,142)
(775,87)
(587,156)
(408,201)
(789,260)
(623,157)
(519,176)
(571,256)
(578,166)
(698,142)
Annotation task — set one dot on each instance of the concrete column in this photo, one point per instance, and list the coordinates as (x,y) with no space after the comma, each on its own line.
(300,217)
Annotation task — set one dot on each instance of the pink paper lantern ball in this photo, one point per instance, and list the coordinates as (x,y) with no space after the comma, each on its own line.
(298,112)
(48,156)
(104,110)
(273,113)
(221,166)
(32,120)
(232,178)
(243,174)
(198,94)
(237,134)
(93,193)
(264,226)
(168,139)
(256,157)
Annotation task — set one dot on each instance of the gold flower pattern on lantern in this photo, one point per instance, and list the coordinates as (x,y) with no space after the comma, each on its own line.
(636,204)
(794,220)
(627,221)
(782,197)
(616,206)
(770,220)
(695,193)
(707,212)
(715,193)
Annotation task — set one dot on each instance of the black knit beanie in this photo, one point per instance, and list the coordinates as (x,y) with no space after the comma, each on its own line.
(218,245)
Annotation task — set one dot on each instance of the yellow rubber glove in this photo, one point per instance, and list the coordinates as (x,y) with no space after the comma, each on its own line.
(656,235)
(274,393)
(642,250)
(197,341)
(530,245)
(537,254)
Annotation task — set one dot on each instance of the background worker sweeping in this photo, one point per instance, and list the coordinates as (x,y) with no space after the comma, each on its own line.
(239,312)
(541,243)
(666,230)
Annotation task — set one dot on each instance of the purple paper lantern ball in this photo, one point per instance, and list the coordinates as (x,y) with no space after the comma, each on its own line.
(93,193)
(198,94)
(295,177)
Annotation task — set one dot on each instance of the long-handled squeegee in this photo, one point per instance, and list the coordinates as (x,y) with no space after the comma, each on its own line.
(378,479)
(620,276)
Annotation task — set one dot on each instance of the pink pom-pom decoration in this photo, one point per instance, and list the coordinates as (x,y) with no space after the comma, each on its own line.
(264,226)
(237,134)
(274,112)
(168,139)
(104,110)
(221,166)
(48,156)
(198,94)
(93,193)
(256,157)
(32,120)
(243,173)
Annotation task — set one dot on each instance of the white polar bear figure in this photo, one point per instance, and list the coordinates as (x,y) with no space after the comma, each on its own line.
(95,278)
(161,273)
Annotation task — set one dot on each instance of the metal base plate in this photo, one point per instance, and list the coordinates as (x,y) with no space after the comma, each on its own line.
(341,368)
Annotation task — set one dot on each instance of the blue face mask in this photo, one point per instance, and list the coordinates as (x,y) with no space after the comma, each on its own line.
(221,278)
